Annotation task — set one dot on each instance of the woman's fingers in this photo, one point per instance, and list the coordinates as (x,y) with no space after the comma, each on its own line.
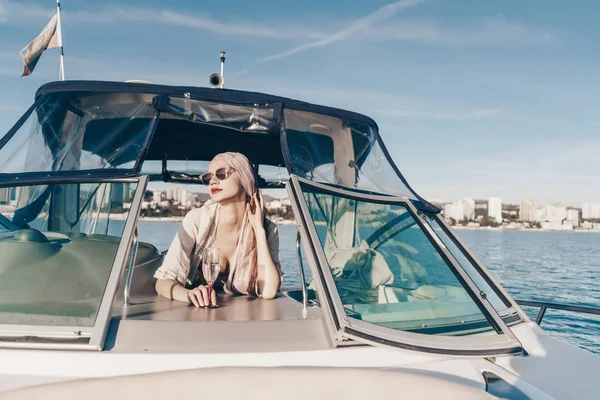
(204,296)
(199,296)
(213,297)
(193,298)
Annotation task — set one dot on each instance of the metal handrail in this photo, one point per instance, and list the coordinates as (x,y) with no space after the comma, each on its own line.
(301,268)
(130,267)
(544,305)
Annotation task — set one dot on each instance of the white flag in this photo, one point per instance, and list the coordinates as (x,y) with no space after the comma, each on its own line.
(47,39)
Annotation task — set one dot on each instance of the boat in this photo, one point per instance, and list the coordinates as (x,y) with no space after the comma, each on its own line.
(395,302)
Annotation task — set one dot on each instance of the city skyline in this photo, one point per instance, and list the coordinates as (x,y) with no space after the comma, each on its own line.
(518,202)
(488,99)
(469,213)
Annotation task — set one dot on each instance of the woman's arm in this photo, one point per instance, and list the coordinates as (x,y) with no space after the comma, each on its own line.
(171,289)
(267,270)
(175,268)
(268,273)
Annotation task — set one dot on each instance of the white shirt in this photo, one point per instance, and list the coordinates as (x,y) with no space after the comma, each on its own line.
(196,232)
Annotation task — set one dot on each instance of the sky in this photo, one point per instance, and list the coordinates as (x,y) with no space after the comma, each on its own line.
(472,98)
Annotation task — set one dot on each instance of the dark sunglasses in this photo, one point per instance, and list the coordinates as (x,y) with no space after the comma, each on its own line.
(221,174)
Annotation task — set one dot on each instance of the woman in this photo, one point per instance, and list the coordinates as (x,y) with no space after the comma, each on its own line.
(234,222)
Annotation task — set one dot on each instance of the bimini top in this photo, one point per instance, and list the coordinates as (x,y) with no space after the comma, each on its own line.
(99,130)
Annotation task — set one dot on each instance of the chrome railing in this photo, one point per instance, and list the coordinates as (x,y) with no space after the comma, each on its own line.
(543,306)
(301,271)
(130,267)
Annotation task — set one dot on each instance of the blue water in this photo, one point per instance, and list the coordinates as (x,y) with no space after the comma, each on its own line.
(561,267)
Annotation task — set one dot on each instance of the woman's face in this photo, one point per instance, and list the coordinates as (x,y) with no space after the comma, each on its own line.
(227,190)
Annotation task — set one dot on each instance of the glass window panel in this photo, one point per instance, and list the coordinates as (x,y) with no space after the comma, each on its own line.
(272,176)
(386,270)
(57,258)
(470,269)
(257,118)
(79,131)
(327,149)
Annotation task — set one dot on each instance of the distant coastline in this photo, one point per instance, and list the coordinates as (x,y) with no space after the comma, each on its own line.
(501,228)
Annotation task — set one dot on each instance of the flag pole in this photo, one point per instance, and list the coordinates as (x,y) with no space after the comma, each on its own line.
(62,53)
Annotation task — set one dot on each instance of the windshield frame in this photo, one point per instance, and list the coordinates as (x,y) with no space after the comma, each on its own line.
(80,337)
(500,340)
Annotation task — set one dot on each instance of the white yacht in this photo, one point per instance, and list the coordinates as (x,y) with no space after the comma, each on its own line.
(397,304)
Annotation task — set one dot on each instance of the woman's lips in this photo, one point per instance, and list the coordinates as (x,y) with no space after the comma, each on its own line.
(215,190)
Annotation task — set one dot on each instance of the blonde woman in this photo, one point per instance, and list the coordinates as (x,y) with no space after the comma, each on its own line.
(234,222)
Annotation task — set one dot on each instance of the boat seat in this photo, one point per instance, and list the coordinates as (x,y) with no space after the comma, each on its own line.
(265,383)
(146,252)
(147,260)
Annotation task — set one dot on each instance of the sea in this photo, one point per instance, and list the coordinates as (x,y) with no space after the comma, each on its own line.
(558,267)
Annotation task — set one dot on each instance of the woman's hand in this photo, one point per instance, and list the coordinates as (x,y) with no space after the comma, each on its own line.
(256,218)
(199,296)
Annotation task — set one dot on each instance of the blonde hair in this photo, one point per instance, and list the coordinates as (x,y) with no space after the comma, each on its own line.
(248,260)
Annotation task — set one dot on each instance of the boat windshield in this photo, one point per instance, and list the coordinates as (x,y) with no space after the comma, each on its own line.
(386,270)
(58,245)
(332,150)
(79,131)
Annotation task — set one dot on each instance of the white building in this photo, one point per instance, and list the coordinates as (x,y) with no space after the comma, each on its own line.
(550,213)
(454,211)
(546,213)
(526,210)
(495,209)
(273,205)
(468,206)
(559,213)
(181,196)
(590,211)
(573,217)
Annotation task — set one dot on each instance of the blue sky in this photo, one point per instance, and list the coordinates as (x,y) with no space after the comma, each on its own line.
(473,98)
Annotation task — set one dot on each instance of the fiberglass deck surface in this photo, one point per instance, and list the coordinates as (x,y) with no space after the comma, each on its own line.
(240,324)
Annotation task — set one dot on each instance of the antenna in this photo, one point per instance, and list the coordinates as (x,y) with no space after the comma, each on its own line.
(223,54)
(216,80)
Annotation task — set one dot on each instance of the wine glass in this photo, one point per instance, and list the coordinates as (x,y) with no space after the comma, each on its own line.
(210,269)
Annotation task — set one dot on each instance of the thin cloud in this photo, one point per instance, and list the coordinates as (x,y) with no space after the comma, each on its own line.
(359,25)
(11,108)
(19,13)
(9,72)
(430,113)
(496,31)
(118,13)
(105,14)
(3,10)
(6,55)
